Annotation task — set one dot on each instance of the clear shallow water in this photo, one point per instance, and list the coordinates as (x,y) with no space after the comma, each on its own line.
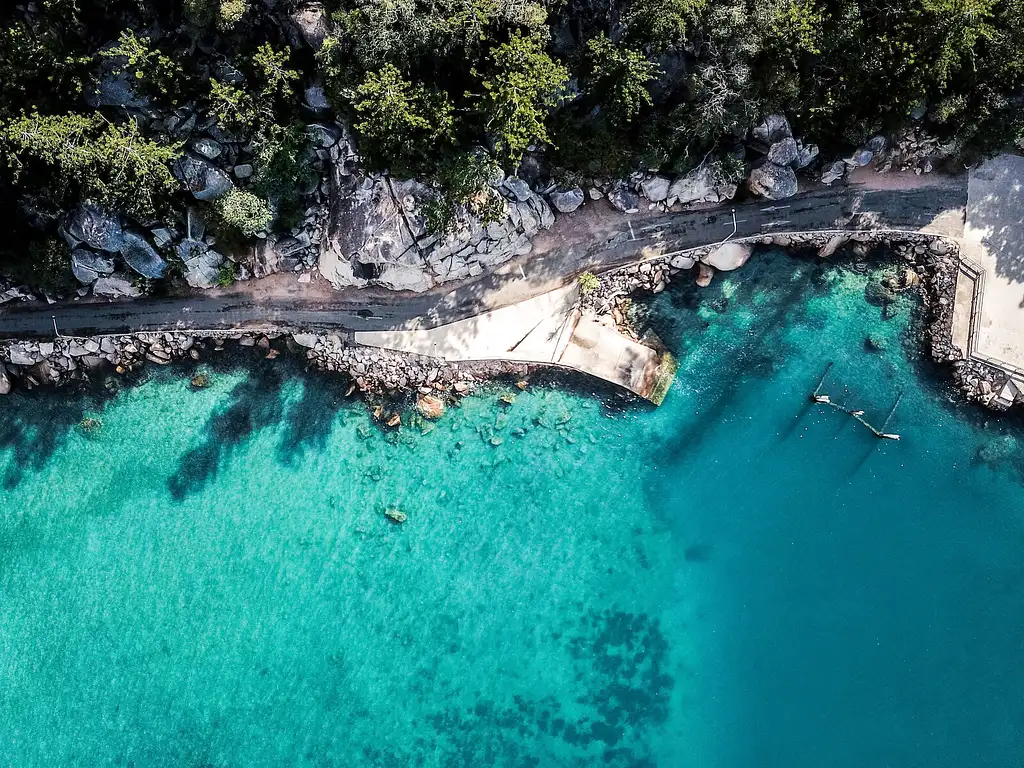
(735,579)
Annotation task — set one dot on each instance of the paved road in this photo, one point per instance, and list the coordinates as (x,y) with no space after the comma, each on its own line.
(591,239)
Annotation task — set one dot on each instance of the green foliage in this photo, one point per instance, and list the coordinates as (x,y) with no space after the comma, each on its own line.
(157,73)
(199,13)
(401,123)
(619,76)
(45,266)
(230,13)
(251,111)
(111,163)
(227,274)
(465,180)
(244,212)
(521,84)
(588,282)
(660,24)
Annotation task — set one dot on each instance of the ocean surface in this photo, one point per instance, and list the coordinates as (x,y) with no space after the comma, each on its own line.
(737,579)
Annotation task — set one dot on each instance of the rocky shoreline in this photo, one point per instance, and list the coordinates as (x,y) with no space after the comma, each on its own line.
(931,268)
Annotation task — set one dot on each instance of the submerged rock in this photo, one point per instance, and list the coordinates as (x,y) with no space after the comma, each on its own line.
(430,406)
(395,515)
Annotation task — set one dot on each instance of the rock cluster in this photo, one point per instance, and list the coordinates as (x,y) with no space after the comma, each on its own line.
(377,231)
(775,177)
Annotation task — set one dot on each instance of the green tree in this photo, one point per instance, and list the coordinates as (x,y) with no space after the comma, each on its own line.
(618,77)
(112,163)
(401,123)
(158,74)
(660,24)
(521,85)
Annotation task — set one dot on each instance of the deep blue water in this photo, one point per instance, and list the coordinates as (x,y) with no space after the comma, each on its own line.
(739,578)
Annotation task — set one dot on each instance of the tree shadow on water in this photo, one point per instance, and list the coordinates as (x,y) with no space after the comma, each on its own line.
(35,424)
(311,419)
(255,405)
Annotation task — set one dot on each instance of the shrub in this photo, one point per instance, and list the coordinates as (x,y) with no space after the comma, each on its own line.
(244,212)
(230,13)
(588,282)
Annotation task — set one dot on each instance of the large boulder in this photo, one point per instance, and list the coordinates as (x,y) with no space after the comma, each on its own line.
(88,265)
(655,188)
(116,286)
(806,154)
(398,277)
(95,227)
(5,380)
(516,188)
(704,184)
(202,265)
(728,256)
(202,178)
(366,230)
(311,23)
(142,257)
(772,181)
(834,172)
(773,129)
(784,151)
(566,200)
(624,199)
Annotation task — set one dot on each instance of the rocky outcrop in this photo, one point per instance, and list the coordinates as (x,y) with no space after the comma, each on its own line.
(376,231)
(624,199)
(87,266)
(704,184)
(656,188)
(202,264)
(115,286)
(728,256)
(566,200)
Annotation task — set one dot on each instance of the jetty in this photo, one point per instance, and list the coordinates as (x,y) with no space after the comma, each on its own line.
(856,413)
(547,330)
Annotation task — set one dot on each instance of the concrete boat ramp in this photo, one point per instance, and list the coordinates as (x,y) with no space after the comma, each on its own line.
(547,330)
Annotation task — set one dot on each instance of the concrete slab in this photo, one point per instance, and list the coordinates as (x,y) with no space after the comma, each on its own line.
(963,308)
(994,240)
(546,329)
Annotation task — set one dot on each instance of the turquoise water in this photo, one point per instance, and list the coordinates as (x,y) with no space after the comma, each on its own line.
(736,579)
